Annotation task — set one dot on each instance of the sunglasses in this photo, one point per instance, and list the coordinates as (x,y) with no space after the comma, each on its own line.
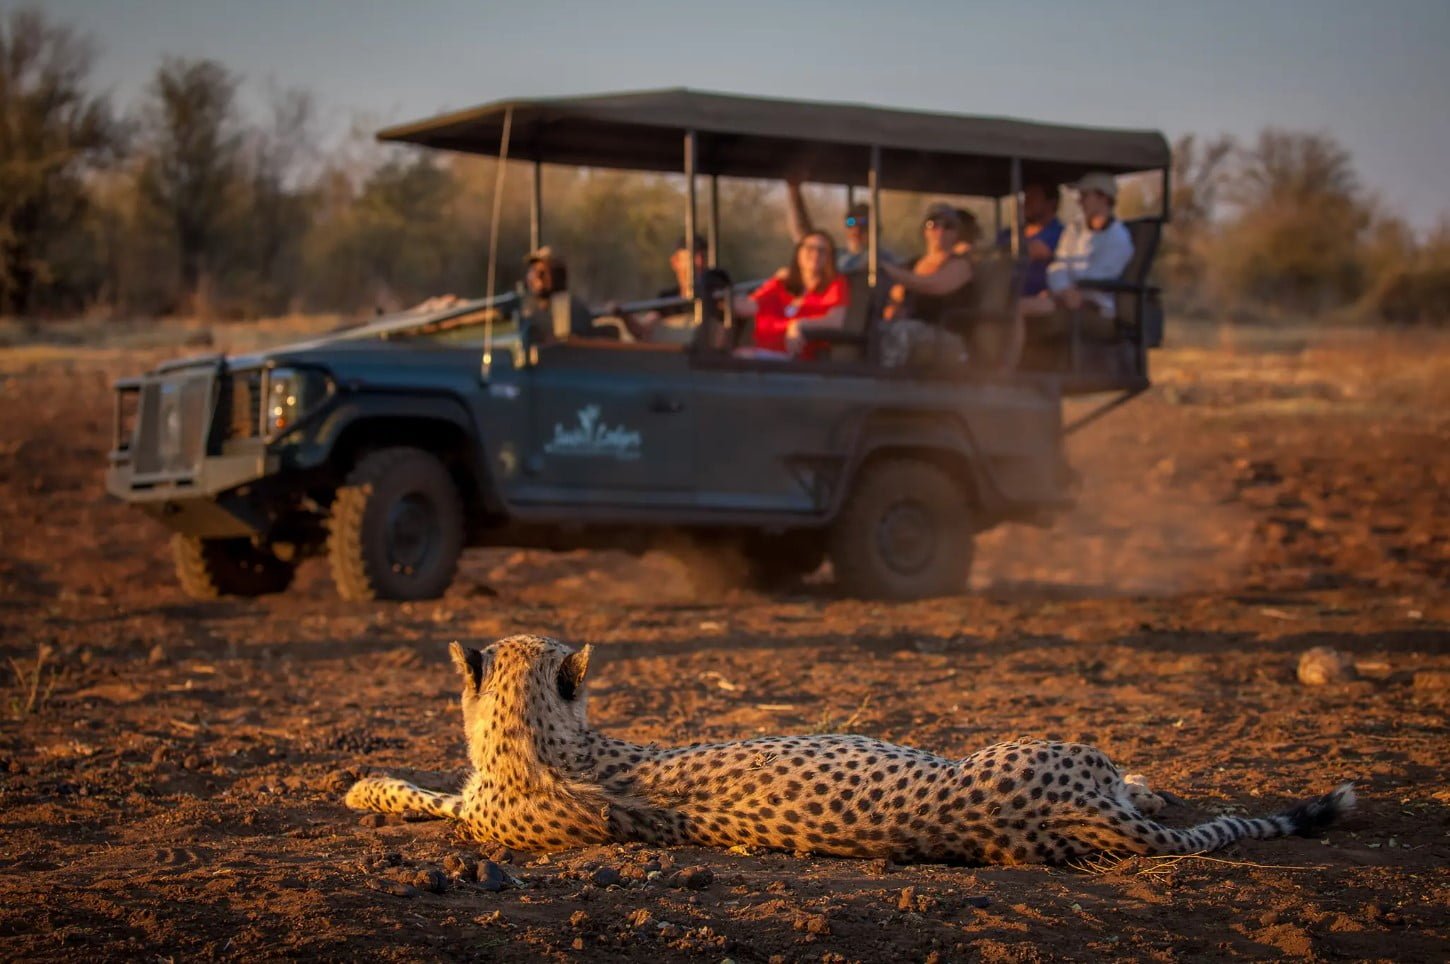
(855,222)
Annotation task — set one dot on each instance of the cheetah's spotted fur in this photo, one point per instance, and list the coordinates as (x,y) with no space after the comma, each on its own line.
(544,780)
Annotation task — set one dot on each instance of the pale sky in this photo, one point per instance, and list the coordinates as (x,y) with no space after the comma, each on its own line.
(1375,75)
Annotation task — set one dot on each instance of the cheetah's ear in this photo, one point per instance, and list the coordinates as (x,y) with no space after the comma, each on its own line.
(571,673)
(469,663)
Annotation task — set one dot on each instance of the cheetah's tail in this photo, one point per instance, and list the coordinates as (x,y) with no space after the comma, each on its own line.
(1146,838)
(391,795)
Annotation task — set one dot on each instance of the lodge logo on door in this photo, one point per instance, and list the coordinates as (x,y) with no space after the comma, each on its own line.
(594,438)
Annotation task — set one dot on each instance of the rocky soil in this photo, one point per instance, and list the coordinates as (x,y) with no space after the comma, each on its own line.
(171,772)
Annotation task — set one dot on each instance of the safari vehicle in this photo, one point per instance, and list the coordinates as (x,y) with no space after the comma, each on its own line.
(391,447)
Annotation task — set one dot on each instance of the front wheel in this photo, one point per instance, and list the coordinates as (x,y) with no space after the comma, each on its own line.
(212,568)
(396,527)
(905,533)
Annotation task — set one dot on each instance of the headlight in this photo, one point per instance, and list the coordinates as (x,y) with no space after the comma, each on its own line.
(289,393)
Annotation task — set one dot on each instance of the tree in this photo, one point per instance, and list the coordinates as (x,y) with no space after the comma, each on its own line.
(277,199)
(1197,177)
(51,130)
(1296,241)
(190,172)
(397,240)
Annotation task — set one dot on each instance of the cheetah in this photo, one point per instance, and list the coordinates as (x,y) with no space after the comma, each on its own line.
(544,780)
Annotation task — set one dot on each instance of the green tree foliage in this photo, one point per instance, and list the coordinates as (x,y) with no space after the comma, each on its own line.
(51,130)
(1296,242)
(191,167)
(1412,283)
(397,239)
(1197,180)
(210,209)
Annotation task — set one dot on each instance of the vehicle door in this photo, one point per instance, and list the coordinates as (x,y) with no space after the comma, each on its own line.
(773,436)
(610,424)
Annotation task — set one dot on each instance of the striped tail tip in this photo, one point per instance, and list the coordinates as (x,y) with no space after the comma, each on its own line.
(1312,816)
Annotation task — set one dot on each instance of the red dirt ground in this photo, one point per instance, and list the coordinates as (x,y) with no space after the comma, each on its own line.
(172,786)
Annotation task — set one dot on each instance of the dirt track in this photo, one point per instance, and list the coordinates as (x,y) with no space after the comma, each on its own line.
(174,790)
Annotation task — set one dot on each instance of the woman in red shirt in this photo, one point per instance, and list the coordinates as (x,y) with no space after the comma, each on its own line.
(810,291)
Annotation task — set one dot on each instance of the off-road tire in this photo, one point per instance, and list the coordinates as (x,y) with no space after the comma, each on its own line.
(392,499)
(904,533)
(213,568)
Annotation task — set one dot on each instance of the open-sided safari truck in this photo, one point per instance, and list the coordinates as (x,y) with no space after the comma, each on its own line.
(391,447)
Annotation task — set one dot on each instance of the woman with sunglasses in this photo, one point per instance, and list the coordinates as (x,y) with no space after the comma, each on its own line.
(939,282)
(809,293)
(931,301)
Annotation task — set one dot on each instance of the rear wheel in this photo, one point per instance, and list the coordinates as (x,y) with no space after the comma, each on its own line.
(396,527)
(212,568)
(905,533)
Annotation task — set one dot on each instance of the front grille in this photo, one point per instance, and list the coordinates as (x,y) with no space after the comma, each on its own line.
(174,422)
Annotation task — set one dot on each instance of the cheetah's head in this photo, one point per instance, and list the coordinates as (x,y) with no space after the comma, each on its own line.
(534,678)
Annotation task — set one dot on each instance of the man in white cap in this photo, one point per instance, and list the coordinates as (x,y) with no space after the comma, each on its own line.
(1096,250)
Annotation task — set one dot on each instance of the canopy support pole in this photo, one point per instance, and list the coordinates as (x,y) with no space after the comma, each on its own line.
(712,227)
(873,186)
(996,219)
(691,146)
(536,208)
(1018,225)
(850,197)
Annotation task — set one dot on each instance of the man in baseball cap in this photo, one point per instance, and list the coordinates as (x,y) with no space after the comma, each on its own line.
(853,254)
(550,313)
(1099,249)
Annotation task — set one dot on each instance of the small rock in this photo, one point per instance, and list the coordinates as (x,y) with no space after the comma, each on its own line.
(670,931)
(577,944)
(393,888)
(431,880)
(981,903)
(491,877)
(578,919)
(373,820)
(503,855)
(605,876)
(883,866)
(461,866)
(1323,664)
(640,918)
(693,878)
(1432,680)
(907,899)
(812,924)
(157,656)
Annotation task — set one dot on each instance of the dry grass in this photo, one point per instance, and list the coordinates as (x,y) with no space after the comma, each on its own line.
(1159,867)
(829,724)
(34,682)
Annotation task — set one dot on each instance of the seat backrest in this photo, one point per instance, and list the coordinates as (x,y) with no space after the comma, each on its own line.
(994,286)
(1145,233)
(858,316)
(858,303)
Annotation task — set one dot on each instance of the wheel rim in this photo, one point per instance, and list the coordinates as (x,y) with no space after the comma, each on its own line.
(906,537)
(412,533)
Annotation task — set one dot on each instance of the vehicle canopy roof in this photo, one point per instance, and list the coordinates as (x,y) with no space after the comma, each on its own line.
(760,137)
